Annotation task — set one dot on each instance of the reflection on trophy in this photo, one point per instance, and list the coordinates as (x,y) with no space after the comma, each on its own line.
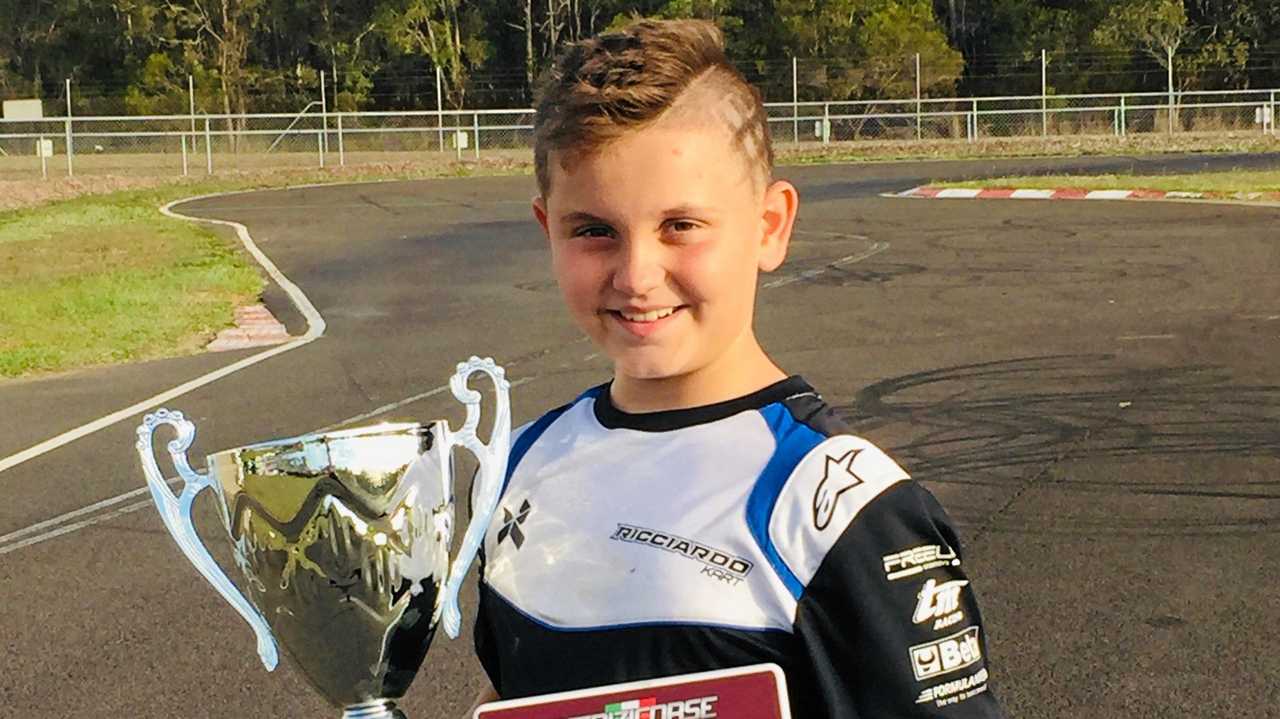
(343,539)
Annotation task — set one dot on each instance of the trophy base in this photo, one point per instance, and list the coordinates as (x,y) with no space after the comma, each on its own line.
(381,709)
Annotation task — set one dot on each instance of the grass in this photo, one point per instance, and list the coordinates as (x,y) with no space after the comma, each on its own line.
(107,279)
(1236,182)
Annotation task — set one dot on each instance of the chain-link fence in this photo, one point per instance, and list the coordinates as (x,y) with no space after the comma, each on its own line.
(971,119)
(190,144)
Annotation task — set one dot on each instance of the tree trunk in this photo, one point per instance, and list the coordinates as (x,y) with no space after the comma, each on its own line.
(528,44)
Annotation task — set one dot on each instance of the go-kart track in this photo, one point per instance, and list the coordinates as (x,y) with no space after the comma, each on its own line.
(1090,388)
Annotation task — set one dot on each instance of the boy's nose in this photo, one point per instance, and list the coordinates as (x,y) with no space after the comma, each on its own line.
(638,269)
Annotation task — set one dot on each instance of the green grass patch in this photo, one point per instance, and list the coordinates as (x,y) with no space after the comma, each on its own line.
(107,279)
(1224,183)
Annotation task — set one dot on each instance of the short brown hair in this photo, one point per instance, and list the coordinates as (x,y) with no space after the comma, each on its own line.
(604,86)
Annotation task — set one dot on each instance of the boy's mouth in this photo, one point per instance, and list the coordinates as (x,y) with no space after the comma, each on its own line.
(643,322)
(646,316)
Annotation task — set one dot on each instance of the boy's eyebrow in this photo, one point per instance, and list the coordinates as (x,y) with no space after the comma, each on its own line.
(677,211)
(682,210)
(579,216)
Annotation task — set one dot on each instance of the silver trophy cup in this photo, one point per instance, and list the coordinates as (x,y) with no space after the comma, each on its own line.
(343,539)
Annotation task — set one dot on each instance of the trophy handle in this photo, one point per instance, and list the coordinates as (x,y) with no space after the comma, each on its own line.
(489,478)
(176,513)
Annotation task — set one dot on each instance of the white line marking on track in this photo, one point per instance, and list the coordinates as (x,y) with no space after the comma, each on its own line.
(14,536)
(1131,338)
(1032,194)
(315,329)
(67,529)
(406,401)
(961,192)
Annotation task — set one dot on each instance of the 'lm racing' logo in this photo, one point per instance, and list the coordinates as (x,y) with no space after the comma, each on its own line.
(649,708)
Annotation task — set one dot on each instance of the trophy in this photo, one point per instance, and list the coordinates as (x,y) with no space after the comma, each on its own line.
(343,539)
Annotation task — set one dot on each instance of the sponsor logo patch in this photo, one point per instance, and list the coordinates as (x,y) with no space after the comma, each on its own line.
(946,655)
(717,564)
(956,690)
(838,477)
(511,522)
(913,561)
(939,602)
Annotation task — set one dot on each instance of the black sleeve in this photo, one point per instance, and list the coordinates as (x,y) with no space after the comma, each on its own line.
(486,647)
(889,621)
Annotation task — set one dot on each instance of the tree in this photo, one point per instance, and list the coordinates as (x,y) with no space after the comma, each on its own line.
(450,36)
(892,32)
(1155,27)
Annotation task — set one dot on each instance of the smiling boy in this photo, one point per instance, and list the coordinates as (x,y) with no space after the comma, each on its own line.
(703,509)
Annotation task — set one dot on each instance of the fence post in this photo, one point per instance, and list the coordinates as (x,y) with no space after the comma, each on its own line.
(826,123)
(70,141)
(1044,92)
(476,131)
(795,103)
(1170,56)
(183,140)
(320,147)
(975,119)
(1123,120)
(439,110)
(208,148)
(324,120)
(44,160)
(1273,112)
(342,153)
(919,131)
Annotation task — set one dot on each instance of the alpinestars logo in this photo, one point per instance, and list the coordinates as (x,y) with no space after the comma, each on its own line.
(720,565)
(649,708)
(838,477)
(511,524)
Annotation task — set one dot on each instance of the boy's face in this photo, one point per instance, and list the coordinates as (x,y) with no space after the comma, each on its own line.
(657,241)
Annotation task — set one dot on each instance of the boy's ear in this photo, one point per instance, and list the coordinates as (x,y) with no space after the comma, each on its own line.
(781,202)
(540,212)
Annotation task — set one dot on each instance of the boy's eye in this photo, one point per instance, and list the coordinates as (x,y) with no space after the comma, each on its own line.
(683,225)
(593,231)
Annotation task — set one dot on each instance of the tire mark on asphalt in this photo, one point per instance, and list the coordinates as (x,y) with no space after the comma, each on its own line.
(987,423)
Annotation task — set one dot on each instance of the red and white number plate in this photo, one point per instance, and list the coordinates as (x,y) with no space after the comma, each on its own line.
(754,692)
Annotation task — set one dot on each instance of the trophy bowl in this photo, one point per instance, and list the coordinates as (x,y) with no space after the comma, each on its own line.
(342,539)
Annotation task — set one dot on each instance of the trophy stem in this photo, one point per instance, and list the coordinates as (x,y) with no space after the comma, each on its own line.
(380,709)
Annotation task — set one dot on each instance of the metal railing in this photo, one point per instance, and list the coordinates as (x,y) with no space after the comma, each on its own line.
(205,143)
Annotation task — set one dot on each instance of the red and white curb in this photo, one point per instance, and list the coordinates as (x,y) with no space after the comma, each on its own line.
(255,327)
(1075,193)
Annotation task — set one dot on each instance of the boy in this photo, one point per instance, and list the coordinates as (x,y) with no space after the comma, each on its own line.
(703,509)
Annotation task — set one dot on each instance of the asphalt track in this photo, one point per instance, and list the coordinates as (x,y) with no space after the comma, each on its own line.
(1089,387)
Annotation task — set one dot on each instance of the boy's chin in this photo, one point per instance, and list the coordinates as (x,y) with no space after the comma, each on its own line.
(647,369)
